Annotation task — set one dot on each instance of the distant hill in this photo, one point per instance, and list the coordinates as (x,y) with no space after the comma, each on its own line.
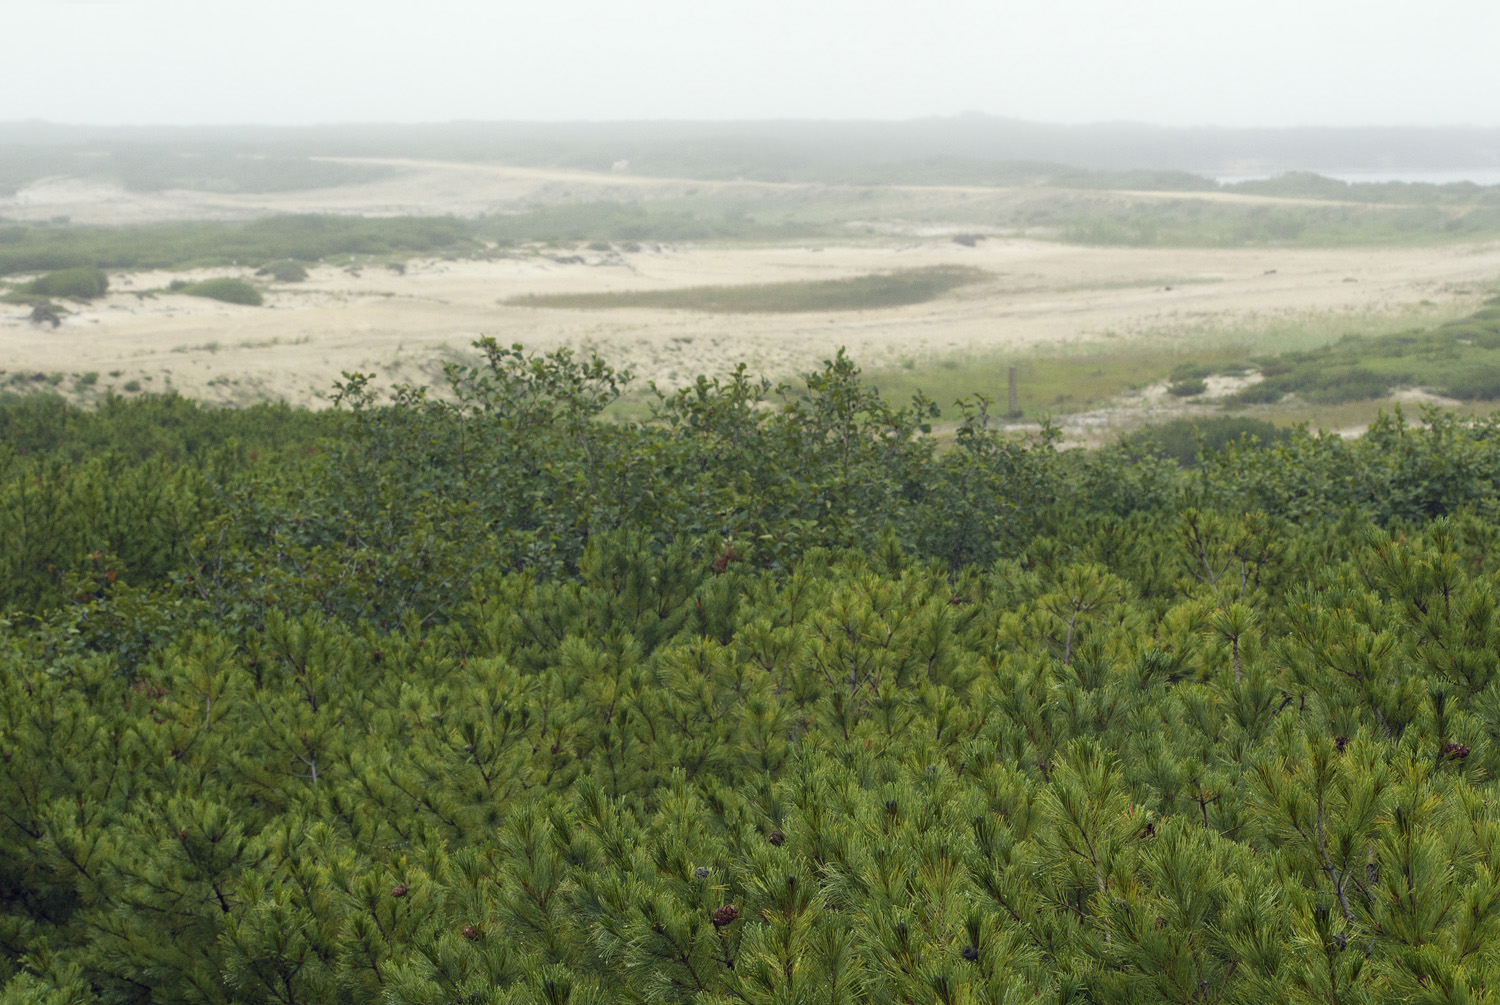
(969,148)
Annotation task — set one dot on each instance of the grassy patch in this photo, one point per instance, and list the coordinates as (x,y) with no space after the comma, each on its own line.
(1058,383)
(858,293)
(74,284)
(1180,439)
(286,271)
(701,219)
(1460,359)
(1191,222)
(305,238)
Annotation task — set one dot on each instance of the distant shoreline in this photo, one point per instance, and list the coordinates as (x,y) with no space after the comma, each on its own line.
(1479,176)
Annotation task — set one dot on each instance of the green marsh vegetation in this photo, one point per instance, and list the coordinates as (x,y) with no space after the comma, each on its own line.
(1459,359)
(687,219)
(303,238)
(1099,216)
(856,293)
(1071,379)
(762,699)
(1094,373)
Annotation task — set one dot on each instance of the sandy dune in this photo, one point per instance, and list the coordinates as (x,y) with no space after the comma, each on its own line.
(469,189)
(402,326)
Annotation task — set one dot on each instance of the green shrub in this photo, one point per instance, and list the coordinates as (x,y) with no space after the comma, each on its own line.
(1478,384)
(230,291)
(76,284)
(286,271)
(1336,386)
(1180,438)
(1190,371)
(1187,388)
(304,238)
(1265,392)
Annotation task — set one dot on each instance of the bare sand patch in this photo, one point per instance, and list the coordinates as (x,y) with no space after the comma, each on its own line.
(402,325)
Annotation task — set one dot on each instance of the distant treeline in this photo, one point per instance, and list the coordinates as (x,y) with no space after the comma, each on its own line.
(961,148)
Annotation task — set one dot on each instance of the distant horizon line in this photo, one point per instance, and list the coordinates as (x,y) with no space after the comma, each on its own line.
(761,120)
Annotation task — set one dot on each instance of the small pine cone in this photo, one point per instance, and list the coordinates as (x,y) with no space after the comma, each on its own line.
(725,915)
(399,890)
(1457,751)
(1340,742)
(701,872)
(470,932)
(777,838)
(971,953)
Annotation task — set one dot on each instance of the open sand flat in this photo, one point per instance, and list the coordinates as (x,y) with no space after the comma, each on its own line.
(402,326)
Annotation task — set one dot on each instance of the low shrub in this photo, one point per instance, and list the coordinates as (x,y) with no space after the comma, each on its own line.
(76,284)
(1190,371)
(230,291)
(1187,388)
(1180,438)
(287,271)
(1482,383)
(1338,385)
(1265,392)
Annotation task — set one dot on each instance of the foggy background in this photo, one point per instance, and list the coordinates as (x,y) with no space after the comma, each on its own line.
(1275,63)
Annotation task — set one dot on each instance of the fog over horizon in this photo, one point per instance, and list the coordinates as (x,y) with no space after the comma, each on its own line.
(1170,63)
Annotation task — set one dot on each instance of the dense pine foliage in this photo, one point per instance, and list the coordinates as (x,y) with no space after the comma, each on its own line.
(475,697)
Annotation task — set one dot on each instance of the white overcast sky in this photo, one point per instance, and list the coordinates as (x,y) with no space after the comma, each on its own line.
(1170,62)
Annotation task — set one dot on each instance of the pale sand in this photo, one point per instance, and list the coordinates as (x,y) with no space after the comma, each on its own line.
(402,326)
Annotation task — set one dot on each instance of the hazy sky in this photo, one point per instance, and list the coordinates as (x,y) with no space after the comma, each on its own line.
(1171,62)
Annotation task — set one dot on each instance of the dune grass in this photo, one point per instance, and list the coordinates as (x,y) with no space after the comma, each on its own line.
(1459,359)
(1056,382)
(856,293)
(305,238)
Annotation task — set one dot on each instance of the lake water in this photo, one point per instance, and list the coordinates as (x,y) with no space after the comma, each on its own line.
(1479,176)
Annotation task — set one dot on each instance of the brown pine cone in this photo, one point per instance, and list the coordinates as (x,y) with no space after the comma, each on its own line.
(777,838)
(725,915)
(1457,751)
(399,890)
(470,932)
